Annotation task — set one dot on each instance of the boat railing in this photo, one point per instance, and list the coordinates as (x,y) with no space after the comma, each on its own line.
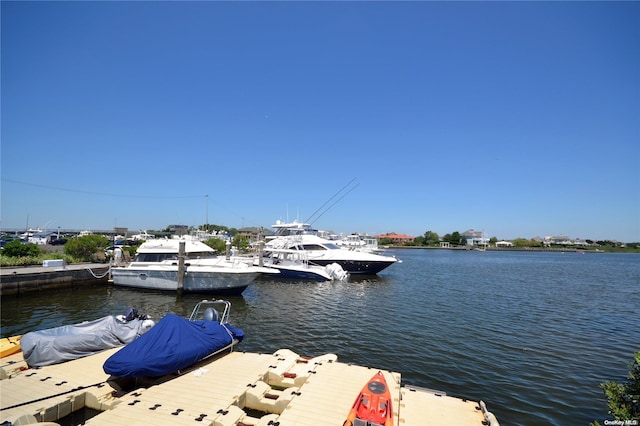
(221,308)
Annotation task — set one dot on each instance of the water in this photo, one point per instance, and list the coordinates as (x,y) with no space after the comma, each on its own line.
(531,334)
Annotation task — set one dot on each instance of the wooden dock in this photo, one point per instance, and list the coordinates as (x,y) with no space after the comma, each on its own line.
(236,388)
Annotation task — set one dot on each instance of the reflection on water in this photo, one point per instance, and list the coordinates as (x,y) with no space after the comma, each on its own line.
(532,334)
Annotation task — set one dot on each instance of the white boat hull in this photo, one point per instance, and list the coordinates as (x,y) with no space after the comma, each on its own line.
(225,281)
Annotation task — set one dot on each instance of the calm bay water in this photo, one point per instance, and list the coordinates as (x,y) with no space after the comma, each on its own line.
(531,334)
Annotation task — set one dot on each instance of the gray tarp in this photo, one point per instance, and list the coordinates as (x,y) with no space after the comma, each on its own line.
(69,342)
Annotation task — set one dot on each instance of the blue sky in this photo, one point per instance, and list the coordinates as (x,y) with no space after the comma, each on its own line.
(521,119)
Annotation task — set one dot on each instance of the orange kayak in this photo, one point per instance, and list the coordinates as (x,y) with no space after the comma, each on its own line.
(373,404)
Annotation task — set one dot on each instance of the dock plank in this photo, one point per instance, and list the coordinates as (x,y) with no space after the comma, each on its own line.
(330,392)
(37,391)
(215,391)
(438,409)
(212,387)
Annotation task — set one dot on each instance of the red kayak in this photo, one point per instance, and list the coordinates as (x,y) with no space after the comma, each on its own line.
(373,405)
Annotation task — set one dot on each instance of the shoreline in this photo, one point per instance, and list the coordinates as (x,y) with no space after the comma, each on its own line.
(536,249)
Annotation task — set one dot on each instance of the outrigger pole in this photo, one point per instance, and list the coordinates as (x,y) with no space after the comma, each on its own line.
(334,203)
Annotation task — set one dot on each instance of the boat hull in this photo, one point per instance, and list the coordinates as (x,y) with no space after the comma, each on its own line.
(301,274)
(355,267)
(200,281)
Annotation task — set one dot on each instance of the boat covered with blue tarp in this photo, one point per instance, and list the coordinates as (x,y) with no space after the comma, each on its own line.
(174,343)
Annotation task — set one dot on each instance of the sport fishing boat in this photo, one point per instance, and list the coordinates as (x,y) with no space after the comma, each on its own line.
(176,343)
(156,267)
(320,251)
(294,264)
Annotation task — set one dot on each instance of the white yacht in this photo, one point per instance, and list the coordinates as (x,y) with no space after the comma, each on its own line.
(361,242)
(321,251)
(156,267)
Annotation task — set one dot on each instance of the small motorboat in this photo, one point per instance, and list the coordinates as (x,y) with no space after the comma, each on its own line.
(295,264)
(68,342)
(372,407)
(176,343)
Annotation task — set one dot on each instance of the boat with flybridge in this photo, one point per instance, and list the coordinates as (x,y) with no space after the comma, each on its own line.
(321,251)
(156,267)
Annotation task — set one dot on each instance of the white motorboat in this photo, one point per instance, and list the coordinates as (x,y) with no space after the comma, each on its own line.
(323,252)
(295,264)
(156,267)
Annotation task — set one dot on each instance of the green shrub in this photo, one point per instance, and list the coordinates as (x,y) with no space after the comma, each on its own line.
(8,261)
(84,248)
(220,246)
(17,249)
(624,398)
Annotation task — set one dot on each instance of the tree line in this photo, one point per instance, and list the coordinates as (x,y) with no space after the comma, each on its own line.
(432,239)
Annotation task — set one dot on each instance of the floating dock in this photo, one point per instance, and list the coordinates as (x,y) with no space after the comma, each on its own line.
(235,388)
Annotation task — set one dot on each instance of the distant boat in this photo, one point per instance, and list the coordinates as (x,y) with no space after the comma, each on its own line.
(142,236)
(323,252)
(354,241)
(156,267)
(29,233)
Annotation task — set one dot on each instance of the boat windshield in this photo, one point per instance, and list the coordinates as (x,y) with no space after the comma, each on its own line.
(331,246)
(325,246)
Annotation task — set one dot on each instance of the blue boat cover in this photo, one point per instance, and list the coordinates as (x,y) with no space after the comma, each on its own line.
(172,344)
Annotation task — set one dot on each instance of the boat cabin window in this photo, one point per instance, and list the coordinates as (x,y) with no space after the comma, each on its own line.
(159,257)
(148,257)
(199,255)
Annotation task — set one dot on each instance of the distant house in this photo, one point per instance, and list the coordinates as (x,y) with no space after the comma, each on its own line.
(504,244)
(538,240)
(178,229)
(475,238)
(558,240)
(395,238)
(254,233)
